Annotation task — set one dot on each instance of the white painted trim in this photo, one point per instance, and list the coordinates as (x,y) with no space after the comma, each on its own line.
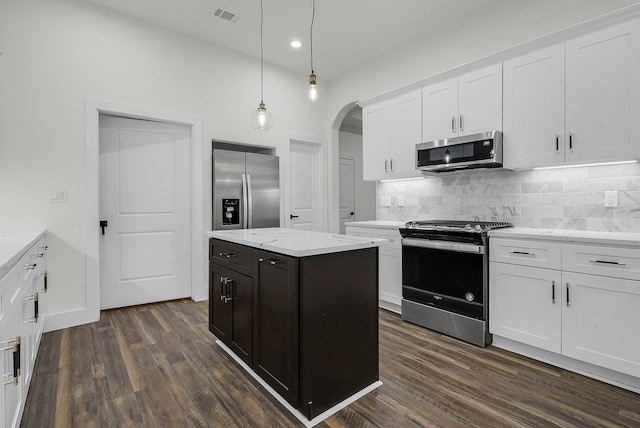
(93,108)
(322,171)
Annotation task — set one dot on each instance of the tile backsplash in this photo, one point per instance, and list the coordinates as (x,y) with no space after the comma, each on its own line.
(569,198)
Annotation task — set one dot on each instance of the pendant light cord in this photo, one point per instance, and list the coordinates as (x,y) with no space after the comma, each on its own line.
(313,18)
(261,57)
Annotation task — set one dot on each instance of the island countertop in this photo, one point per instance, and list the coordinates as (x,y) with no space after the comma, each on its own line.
(293,242)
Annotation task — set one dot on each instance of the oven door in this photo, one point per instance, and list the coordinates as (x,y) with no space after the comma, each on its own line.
(446,275)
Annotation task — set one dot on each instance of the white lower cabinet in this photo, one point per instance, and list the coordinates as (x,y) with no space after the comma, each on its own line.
(389,264)
(21,327)
(585,316)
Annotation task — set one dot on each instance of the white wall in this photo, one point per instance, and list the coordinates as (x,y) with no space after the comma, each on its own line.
(351,147)
(488,31)
(56,53)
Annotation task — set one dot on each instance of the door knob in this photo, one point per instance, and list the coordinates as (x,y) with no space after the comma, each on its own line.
(103,224)
(291,216)
(352,213)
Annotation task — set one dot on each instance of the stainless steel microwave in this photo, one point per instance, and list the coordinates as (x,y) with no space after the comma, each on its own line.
(470,151)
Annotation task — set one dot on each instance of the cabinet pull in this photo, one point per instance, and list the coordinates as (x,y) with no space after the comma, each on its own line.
(553,292)
(570,141)
(29,266)
(461,123)
(222,288)
(453,124)
(606,262)
(227,292)
(568,302)
(275,262)
(557,143)
(227,255)
(35,256)
(43,248)
(45,276)
(391,164)
(522,253)
(386,169)
(14,346)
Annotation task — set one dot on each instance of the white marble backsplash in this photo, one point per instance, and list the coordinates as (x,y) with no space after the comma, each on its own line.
(570,198)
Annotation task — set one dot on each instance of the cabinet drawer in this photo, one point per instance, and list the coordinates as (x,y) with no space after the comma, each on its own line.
(365,232)
(393,235)
(617,262)
(526,253)
(234,256)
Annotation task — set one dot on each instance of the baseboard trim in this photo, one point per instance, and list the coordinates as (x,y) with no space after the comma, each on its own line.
(67,319)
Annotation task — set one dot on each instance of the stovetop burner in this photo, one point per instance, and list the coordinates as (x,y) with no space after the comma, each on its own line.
(456,225)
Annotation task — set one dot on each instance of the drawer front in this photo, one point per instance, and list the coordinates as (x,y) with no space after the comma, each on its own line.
(393,235)
(541,254)
(234,256)
(365,232)
(616,262)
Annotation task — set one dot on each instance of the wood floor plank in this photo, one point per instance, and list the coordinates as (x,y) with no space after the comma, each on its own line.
(158,366)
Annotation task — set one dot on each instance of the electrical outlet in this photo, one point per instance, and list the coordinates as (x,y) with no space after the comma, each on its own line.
(58,196)
(385,201)
(400,201)
(611,198)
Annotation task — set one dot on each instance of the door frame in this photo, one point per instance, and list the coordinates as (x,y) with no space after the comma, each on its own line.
(93,109)
(341,184)
(321,164)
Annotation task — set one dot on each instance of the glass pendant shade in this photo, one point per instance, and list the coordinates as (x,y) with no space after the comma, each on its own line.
(261,119)
(313,88)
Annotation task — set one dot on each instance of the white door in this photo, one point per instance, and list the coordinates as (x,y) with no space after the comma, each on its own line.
(347,192)
(305,187)
(145,252)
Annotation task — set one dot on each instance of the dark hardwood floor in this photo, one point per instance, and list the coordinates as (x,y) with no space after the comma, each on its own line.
(158,366)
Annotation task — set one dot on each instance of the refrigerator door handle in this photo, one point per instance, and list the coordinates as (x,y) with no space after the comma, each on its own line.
(245,201)
(249,203)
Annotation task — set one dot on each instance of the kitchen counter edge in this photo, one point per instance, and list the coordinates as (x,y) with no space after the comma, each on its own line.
(378,224)
(14,244)
(571,236)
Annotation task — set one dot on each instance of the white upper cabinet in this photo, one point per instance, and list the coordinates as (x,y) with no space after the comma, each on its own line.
(574,102)
(534,109)
(603,94)
(390,131)
(464,105)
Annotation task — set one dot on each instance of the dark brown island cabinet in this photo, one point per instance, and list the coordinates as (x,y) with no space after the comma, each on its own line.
(308,326)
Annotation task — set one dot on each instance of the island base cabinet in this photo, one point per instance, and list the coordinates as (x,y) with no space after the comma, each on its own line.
(231,310)
(339,327)
(599,321)
(276,329)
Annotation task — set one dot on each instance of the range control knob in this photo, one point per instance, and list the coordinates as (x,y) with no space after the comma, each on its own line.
(478,228)
(468,227)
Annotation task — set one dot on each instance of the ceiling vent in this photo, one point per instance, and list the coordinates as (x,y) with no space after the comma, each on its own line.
(226,15)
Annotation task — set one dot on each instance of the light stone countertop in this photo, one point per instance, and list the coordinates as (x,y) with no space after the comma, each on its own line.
(380,224)
(574,236)
(293,242)
(13,245)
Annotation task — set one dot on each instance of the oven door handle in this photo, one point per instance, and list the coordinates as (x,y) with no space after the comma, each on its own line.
(444,245)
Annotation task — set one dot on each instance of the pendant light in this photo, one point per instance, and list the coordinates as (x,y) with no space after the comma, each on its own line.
(313,88)
(261,119)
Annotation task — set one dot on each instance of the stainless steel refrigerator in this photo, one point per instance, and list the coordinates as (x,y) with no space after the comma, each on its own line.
(246,190)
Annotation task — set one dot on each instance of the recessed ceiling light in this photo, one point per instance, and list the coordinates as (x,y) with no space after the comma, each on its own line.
(296,44)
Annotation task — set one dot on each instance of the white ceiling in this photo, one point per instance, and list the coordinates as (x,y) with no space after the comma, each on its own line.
(347,33)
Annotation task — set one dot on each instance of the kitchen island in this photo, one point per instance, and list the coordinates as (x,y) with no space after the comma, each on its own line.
(299,309)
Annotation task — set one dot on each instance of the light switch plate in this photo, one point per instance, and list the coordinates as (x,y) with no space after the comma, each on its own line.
(58,196)
(385,201)
(611,198)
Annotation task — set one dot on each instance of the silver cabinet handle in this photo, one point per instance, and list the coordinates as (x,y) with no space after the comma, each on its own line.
(14,346)
(522,253)
(606,262)
(571,141)
(386,169)
(29,266)
(45,276)
(568,301)
(461,123)
(553,292)
(43,248)
(35,256)
(557,143)
(391,165)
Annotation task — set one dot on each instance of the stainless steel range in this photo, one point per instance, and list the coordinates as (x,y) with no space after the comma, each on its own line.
(445,277)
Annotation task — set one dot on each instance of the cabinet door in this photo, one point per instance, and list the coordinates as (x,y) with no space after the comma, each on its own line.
(11,388)
(276,341)
(404,133)
(375,141)
(480,101)
(440,110)
(534,109)
(231,310)
(390,269)
(525,305)
(599,320)
(603,94)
